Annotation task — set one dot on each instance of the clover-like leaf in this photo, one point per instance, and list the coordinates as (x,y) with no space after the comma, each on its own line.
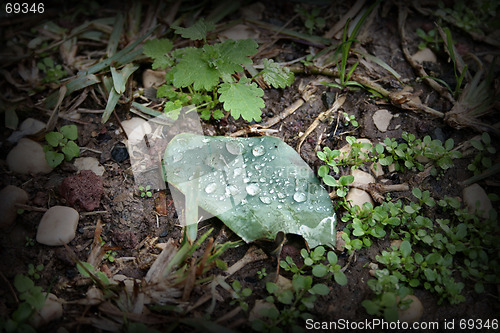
(158,49)
(256,186)
(197,31)
(242,99)
(276,75)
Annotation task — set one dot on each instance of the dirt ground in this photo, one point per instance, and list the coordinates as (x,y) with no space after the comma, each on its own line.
(133,226)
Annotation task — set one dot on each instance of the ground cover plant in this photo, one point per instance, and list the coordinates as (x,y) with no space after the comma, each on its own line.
(255,167)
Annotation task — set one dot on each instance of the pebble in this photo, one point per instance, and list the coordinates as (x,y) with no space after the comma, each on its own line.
(382,119)
(473,194)
(414,312)
(151,78)
(424,55)
(29,126)
(346,150)
(361,177)
(136,128)
(377,169)
(9,196)
(36,163)
(57,226)
(89,163)
(52,310)
(119,153)
(358,197)
(260,308)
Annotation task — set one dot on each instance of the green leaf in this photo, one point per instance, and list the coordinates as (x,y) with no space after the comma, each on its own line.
(242,99)
(320,289)
(371,307)
(417,192)
(54,138)
(319,271)
(340,278)
(23,283)
(69,131)
(250,184)
(71,150)
(405,248)
(276,75)
(197,31)
(158,49)
(194,68)
(110,106)
(53,158)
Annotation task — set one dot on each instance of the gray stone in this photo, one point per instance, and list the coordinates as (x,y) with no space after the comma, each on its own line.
(10,196)
(58,226)
(28,157)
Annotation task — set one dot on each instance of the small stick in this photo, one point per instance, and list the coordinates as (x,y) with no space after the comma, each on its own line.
(31,208)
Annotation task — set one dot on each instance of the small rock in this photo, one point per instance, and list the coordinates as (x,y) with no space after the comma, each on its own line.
(36,163)
(396,243)
(10,196)
(29,126)
(377,169)
(358,197)
(52,310)
(362,178)
(283,283)
(424,55)
(136,128)
(89,163)
(475,198)
(58,226)
(151,78)
(260,309)
(119,153)
(414,312)
(382,119)
(346,150)
(83,190)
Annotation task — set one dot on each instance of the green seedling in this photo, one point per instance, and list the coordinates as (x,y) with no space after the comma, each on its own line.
(485,152)
(240,294)
(61,145)
(205,76)
(430,39)
(32,299)
(261,273)
(34,271)
(350,120)
(312,20)
(109,256)
(145,191)
(53,73)
(29,241)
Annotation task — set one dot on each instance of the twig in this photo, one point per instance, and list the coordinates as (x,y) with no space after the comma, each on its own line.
(31,208)
(341,23)
(403,13)
(376,190)
(321,117)
(343,269)
(10,287)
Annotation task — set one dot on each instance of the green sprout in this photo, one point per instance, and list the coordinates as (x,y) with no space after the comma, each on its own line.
(145,191)
(61,145)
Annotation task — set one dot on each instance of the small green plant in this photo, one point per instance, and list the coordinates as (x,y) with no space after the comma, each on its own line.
(240,294)
(53,73)
(61,145)
(32,299)
(145,191)
(289,306)
(206,76)
(312,20)
(350,120)
(109,256)
(29,241)
(485,152)
(430,39)
(34,271)
(261,273)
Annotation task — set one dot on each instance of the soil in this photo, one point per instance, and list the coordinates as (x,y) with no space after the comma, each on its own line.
(136,227)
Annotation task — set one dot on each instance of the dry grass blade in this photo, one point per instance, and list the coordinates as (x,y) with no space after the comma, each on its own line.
(321,117)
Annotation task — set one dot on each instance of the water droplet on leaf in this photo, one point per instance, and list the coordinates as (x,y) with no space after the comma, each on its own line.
(299,196)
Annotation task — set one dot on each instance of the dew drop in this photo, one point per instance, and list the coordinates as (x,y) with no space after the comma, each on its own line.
(258,151)
(281,195)
(299,196)
(253,188)
(265,200)
(211,188)
(234,148)
(232,190)
(262,179)
(178,157)
(237,172)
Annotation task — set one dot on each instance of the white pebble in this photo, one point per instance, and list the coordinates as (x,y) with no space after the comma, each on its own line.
(358,197)
(136,128)
(362,178)
(9,196)
(18,160)
(475,195)
(382,119)
(52,310)
(89,163)
(58,226)
(414,312)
